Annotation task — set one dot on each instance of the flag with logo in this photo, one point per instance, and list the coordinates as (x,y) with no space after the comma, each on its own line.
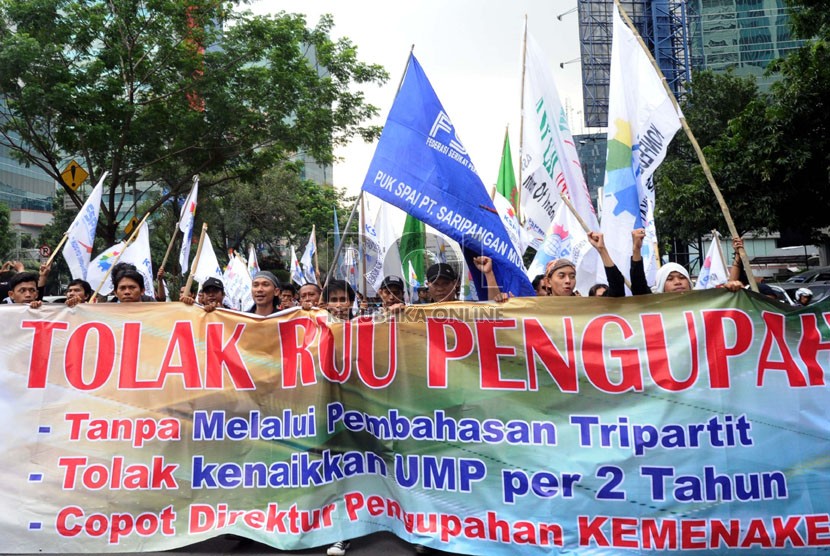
(511,222)
(237,282)
(714,272)
(642,119)
(253,263)
(136,253)
(421,166)
(307,260)
(208,265)
(81,234)
(297,275)
(565,238)
(550,163)
(186,219)
(380,243)
(412,282)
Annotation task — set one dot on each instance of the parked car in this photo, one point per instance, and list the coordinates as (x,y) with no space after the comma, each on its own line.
(782,294)
(820,275)
(820,290)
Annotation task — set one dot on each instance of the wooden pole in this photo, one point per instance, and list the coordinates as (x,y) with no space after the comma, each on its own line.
(118,258)
(701,158)
(57,249)
(520,185)
(585,226)
(195,264)
(342,240)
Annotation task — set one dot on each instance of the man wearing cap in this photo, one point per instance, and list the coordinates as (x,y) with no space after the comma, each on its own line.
(443,284)
(265,291)
(391,294)
(212,295)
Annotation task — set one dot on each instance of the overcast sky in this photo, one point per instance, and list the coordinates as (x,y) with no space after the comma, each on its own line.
(471,53)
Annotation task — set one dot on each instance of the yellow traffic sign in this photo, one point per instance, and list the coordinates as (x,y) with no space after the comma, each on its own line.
(128,229)
(73,175)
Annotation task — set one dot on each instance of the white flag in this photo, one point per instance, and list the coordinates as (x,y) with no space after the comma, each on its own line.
(550,164)
(186,219)
(297,275)
(237,283)
(253,263)
(566,239)
(380,243)
(307,259)
(642,120)
(137,253)
(517,234)
(81,234)
(714,272)
(208,265)
(100,265)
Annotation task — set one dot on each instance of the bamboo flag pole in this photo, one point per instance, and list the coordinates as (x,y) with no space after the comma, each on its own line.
(360,195)
(585,226)
(175,233)
(701,158)
(716,237)
(118,258)
(520,185)
(57,249)
(316,263)
(196,259)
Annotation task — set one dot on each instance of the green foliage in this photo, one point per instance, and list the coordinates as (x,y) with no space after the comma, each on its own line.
(6,235)
(687,208)
(154,93)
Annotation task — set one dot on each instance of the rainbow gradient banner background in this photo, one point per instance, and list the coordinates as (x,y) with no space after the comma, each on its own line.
(694,422)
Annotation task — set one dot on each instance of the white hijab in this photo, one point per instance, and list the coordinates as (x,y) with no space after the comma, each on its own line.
(663,274)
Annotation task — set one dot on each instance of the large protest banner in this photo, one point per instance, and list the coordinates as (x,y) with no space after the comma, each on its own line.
(669,422)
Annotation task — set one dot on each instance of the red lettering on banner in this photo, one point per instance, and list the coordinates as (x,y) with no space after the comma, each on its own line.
(128,369)
(590,530)
(365,363)
(489,352)
(659,534)
(219,356)
(717,352)
(785,532)
(327,352)
(593,350)
(693,534)
(181,341)
(657,353)
(41,349)
(297,359)
(810,345)
(538,343)
(439,353)
(103,361)
(774,337)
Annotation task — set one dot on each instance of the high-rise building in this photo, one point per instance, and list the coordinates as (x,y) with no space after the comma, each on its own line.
(739,35)
(661,23)
(28,192)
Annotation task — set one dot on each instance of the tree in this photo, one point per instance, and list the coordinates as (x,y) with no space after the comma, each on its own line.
(157,92)
(687,207)
(6,234)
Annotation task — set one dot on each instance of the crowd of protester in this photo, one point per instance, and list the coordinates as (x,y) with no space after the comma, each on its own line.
(339,298)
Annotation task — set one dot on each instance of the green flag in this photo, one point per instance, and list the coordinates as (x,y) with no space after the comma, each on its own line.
(413,245)
(506,184)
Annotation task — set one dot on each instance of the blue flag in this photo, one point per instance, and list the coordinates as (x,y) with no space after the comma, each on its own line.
(421,167)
